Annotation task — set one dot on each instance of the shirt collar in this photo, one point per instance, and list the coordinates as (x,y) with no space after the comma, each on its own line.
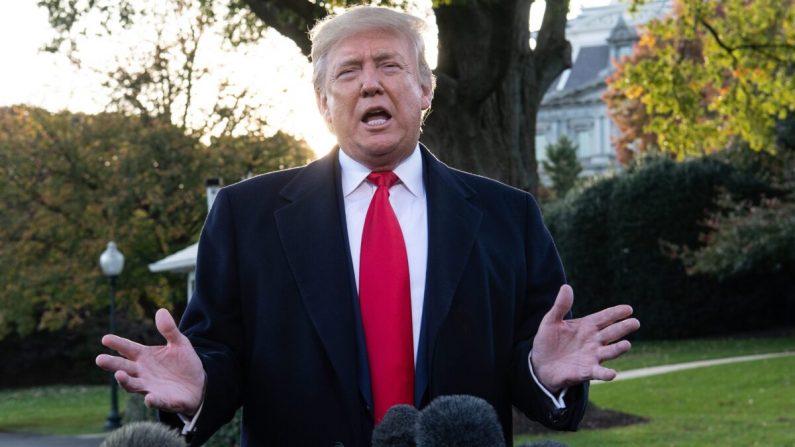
(409,171)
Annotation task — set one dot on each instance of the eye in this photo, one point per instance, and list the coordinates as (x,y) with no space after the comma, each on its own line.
(345,73)
(391,66)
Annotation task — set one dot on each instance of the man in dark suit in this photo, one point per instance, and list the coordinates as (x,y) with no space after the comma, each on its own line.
(310,315)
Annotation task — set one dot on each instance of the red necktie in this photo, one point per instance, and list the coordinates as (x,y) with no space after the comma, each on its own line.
(385,300)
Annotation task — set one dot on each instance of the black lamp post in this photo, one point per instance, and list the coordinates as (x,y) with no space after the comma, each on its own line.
(112,263)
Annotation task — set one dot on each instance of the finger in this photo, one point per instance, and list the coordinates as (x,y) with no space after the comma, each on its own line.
(562,305)
(129,383)
(602,373)
(613,351)
(617,331)
(608,316)
(123,346)
(168,327)
(153,400)
(113,363)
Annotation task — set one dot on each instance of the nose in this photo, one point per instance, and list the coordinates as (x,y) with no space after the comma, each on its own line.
(371,84)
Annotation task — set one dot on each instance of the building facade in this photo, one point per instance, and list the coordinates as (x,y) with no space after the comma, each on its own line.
(573,105)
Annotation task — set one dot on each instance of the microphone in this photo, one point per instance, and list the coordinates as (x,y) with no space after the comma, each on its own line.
(144,434)
(459,421)
(396,428)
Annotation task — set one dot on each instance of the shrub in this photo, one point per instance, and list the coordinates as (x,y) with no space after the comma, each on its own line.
(611,237)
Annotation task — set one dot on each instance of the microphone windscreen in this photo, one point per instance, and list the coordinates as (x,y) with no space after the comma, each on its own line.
(459,421)
(144,434)
(396,428)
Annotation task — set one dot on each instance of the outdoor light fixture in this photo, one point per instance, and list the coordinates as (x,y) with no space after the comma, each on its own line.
(111,261)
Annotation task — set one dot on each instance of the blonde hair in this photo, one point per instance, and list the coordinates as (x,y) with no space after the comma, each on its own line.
(329,31)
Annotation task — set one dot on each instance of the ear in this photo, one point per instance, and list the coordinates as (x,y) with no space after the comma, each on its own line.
(322,106)
(426,96)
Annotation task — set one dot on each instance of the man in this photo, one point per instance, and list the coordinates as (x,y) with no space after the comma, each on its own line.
(372,277)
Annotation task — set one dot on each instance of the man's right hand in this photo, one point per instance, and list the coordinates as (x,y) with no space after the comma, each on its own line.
(170,377)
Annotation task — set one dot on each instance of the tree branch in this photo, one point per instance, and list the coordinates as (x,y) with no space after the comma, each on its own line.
(552,51)
(291,18)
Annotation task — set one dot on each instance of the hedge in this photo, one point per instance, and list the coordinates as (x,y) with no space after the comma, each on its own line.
(610,237)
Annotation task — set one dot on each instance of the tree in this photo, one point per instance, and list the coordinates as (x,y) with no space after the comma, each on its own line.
(71,182)
(562,165)
(490,81)
(713,74)
(161,80)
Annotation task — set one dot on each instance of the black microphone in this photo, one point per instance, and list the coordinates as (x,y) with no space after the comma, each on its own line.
(459,421)
(144,434)
(396,428)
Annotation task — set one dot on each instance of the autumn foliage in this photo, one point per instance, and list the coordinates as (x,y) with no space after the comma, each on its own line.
(711,75)
(70,182)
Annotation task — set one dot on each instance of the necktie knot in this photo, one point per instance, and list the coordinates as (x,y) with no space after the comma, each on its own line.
(383,178)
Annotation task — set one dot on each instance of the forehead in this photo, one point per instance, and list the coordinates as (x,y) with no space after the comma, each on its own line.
(370,43)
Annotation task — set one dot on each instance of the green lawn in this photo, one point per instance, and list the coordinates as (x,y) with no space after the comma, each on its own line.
(741,404)
(653,353)
(57,409)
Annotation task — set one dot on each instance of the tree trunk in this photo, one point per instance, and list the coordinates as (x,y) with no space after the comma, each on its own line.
(490,85)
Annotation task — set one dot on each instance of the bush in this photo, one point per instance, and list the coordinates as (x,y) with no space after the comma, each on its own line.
(611,237)
(66,356)
(229,434)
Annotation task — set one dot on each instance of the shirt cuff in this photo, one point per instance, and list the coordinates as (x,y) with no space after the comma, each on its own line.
(557,401)
(190,422)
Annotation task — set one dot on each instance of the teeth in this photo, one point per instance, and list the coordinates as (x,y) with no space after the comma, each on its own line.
(376,122)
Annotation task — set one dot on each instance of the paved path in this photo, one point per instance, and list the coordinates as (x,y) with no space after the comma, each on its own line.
(664,369)
(28,440)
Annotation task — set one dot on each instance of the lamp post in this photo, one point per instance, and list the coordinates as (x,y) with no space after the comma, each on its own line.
(111,261)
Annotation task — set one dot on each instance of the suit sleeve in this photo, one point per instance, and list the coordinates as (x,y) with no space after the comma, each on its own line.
(212,320)
(545,276)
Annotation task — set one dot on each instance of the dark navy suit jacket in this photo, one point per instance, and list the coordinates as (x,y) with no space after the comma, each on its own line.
(275,316)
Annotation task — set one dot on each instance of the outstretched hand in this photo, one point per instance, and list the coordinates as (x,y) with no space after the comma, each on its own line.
(569,352)
(170,377)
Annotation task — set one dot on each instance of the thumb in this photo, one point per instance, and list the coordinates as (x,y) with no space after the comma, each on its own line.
(168,327)
(562,305)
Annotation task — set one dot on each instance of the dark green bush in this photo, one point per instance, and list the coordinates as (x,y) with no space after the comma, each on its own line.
(229,434)
(611,237)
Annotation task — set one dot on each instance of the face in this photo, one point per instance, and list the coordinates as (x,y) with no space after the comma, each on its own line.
(373,100)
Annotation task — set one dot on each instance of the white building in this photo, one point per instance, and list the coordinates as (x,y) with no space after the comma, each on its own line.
(573,105)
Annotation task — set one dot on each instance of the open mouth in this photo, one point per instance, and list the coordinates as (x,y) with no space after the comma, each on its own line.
(376,117)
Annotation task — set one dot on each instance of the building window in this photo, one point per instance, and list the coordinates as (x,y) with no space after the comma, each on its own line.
(623,51)
(541,147)
(541,141)
(585,141)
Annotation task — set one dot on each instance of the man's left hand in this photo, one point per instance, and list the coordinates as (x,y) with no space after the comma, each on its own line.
(569,352)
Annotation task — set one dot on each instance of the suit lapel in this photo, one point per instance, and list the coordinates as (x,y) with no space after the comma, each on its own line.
(453,222)
(313,237)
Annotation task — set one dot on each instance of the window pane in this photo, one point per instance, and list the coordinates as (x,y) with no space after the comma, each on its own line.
(541,147)
(585,143)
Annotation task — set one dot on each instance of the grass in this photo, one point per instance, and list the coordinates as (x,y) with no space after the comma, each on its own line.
(653,353)
(741,404)
(57,410)
(683,406)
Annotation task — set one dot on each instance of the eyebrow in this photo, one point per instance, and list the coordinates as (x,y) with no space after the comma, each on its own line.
(379,56)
